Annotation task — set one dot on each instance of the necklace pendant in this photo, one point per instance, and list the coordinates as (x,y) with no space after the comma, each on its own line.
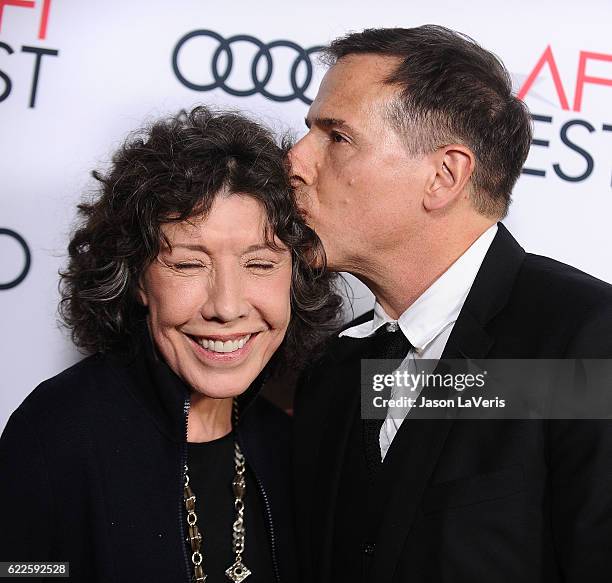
(238,572)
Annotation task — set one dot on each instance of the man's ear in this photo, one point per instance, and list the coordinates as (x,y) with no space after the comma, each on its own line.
(453,165)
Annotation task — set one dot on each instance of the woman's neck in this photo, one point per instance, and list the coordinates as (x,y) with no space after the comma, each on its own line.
(208,419)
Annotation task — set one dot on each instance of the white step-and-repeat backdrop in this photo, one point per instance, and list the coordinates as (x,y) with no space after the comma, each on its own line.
(76,76)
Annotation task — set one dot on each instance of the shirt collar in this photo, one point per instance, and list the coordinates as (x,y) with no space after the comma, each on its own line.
(439,305)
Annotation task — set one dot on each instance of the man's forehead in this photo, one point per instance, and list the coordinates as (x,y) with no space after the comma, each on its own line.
(354,85)
(371,66)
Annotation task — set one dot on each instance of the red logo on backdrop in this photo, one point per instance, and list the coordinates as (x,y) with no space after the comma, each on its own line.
(44,16)
(567,131)
(40,11)
(548,59)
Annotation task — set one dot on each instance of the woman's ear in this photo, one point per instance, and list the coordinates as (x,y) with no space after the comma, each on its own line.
(454,165)
(141,294)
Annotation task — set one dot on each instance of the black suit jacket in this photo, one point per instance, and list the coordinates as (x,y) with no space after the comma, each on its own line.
(474,500)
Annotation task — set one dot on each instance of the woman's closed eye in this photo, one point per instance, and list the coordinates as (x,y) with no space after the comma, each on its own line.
(263,265)
(188,265)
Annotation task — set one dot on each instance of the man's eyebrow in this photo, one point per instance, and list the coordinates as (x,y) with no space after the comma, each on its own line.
(329,123)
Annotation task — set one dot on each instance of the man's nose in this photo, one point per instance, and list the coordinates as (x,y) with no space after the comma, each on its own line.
(303,164)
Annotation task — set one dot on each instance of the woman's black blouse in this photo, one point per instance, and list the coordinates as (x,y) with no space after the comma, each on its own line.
(211,472)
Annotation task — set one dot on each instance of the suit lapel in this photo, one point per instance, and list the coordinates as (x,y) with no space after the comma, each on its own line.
(468,339)
(416,448)
(488,295)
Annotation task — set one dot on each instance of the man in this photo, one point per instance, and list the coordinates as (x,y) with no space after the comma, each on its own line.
(415,142)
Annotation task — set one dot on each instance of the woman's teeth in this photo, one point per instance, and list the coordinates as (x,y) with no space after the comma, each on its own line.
(227,346)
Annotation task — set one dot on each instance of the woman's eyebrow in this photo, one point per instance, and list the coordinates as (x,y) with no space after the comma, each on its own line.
(201,247)
(257,247)
(190,246)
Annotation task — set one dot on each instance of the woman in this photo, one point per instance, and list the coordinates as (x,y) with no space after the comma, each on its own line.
(189,281)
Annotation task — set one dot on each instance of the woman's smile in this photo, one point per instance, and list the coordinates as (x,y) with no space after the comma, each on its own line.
(230,349)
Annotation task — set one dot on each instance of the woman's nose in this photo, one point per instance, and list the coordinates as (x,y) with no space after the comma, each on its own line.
(226,300)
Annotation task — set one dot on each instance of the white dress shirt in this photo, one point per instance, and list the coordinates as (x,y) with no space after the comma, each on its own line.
(429,321)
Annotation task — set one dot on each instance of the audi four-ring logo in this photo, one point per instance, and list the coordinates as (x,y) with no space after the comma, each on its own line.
(26,259)
(259,79)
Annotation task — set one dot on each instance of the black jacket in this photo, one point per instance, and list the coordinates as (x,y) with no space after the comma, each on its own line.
(91,472)
(473,500)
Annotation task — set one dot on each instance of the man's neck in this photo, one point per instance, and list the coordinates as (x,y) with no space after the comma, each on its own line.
(398,278)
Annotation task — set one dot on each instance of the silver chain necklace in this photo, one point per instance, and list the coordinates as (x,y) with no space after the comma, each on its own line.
(238,571)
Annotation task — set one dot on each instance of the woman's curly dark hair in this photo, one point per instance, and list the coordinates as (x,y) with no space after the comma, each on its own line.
(169,172)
